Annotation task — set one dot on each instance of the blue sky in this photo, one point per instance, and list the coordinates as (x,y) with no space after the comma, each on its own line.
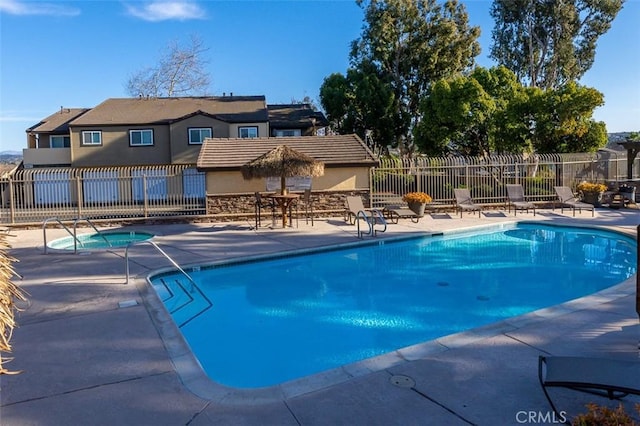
(79,53)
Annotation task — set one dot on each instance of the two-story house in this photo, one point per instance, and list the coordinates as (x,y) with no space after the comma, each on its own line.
(158,131)
(142,149)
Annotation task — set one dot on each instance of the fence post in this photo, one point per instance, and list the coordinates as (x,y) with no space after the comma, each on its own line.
(79,195)
(12,202)
(466,176)
(418,170)
(371,188)
(145,196)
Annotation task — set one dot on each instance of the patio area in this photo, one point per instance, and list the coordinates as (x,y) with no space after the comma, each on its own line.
(90,349)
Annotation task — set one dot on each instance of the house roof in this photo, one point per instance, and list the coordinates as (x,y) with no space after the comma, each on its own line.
(295,116)
(128,111)
(333,151)
(59,121)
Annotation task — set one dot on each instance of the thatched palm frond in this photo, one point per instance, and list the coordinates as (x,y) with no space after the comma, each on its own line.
(282,161)
(9,294)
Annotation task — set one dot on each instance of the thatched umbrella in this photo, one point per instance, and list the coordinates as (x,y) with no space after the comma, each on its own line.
(284,162)
(9,294)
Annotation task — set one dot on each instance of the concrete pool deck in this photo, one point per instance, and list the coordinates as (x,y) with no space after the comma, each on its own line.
(90,356)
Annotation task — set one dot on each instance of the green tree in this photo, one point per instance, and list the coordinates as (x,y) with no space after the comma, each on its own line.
(456,118)
(335,98)
(405,46)
(563,120)
(548,43)
(489,111)
(360,103)
(462,114)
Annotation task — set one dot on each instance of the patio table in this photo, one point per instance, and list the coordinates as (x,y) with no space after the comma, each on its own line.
(283,201)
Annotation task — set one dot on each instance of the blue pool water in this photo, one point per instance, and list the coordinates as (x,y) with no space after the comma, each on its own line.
(261,323)
(102,240)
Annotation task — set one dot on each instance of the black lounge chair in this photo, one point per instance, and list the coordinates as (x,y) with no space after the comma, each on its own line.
(464,203)
(610,378)
(517,200)
(568,199)
(396,212)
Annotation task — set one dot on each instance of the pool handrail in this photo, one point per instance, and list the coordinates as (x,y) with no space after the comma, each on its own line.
(44,232)
(76,241)
(162,252)
(371,222)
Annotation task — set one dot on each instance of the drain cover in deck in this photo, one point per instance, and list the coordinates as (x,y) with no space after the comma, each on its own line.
(402,381)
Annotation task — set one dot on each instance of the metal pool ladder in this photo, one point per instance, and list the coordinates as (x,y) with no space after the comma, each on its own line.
(74,234)
(371,221)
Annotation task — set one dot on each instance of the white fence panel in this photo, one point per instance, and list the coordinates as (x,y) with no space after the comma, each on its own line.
(193,184)
(156,184)
(52,188)
(100,186)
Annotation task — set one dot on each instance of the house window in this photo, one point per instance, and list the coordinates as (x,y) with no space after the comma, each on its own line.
(141,137)
(198,135)
(287,132)
(92,137)
(60,142)
(248,132)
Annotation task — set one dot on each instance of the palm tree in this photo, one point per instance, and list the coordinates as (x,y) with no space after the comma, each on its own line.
(9,294)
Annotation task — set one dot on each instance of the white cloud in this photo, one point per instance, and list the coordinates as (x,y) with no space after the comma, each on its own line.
(23,8)
(156,11)
(15,117)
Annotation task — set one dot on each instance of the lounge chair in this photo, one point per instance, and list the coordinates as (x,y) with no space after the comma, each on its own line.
(568,199)
(517,200)
(464,201)
(355,205)
(610,378)
(395,212)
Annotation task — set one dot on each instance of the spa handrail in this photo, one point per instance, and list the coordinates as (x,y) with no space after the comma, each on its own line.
(371,221)
(162,252)
(76,241)
(44,231)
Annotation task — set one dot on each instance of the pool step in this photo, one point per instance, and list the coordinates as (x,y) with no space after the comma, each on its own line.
(185,301)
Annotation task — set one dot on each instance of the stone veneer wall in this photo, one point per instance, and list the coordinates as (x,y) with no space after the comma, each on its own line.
(325,203)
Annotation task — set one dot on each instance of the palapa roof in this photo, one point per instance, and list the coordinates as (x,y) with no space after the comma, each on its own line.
(59,121)
(282,161)
(128,111)
(334,151)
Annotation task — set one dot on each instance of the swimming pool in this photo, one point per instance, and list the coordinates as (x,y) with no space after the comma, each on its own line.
(256,324)
(102,240)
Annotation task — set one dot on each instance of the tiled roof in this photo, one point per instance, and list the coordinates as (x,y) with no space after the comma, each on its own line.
(295,116)
(127,111)
(337,150)
(59,121)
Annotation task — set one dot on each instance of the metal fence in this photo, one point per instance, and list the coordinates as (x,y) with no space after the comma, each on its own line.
(33,195)
(486,177)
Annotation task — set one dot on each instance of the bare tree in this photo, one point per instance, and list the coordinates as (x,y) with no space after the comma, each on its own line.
(181,71)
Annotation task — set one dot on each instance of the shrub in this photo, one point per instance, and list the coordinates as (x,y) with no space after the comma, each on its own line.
(416,197)
(591,187)
(604,416)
